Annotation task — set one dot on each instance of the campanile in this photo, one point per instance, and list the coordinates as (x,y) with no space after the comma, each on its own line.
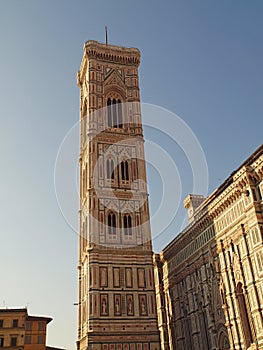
(117,308)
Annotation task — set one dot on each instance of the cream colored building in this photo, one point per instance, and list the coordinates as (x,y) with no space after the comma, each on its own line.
(20,331)
(12,328)
(209,279)
(117,309)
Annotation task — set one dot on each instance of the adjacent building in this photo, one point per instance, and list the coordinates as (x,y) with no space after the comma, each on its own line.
(209,279)
(12,328)
(20,331)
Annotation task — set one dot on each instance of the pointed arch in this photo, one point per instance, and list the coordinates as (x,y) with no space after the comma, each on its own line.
(115,100)
(114,113)
(223,341)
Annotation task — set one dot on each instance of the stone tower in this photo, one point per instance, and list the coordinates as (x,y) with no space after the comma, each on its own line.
(117,309)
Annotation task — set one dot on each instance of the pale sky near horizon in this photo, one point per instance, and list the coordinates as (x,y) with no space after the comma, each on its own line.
(202,60)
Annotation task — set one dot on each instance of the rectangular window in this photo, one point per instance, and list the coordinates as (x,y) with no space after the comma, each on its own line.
(28,339)
(1,342)
(13,341)
(1,323)
(15,323)
(40,339)
(28,326)
(41,326)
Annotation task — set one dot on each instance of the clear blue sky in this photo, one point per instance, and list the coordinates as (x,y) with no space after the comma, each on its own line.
(200,59)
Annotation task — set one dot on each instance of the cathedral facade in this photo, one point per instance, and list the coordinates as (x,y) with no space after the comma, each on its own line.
(209,279)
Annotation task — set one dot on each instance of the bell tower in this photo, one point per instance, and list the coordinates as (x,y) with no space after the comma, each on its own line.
(117,308)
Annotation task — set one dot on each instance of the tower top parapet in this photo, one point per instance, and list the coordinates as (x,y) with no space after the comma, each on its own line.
(119,55)
(93,44)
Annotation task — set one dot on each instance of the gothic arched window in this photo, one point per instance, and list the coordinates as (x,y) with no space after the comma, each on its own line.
(111,224)
(114,113)
(127,224)
(110,169)
(125,170)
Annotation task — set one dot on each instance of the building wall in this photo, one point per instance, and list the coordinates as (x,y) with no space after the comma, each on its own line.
(28,332)
(35,335)
(12,327)
(211,275)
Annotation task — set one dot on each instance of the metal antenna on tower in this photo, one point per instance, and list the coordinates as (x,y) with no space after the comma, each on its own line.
(106,35)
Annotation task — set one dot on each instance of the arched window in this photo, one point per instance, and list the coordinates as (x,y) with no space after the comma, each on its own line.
(111,224)
(223,341)
(110,169)
(114,113)
(127,225)
(125,170)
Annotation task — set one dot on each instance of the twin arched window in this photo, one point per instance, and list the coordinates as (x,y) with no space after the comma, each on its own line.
(124,167)
(127,224)
(114,113)
(125,170)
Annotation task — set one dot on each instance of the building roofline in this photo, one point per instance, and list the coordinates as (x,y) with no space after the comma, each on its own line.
(39,318)
(257,153)
(14,310)
(229,180)
(28,317)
